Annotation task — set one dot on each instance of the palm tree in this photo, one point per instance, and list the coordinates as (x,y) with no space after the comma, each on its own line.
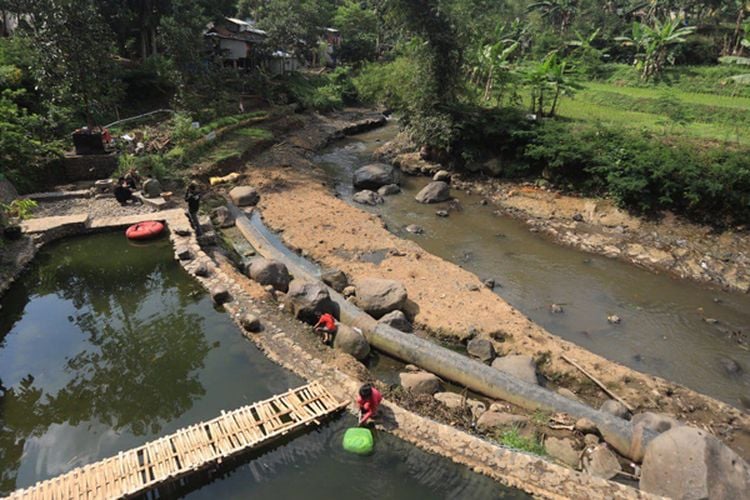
(655,44)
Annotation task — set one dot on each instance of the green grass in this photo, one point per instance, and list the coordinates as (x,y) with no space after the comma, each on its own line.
(235,144)
(711,117)
(730,102)
(513,439)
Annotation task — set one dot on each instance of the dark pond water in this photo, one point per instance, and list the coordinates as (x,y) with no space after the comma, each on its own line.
(663,331)
(105,345)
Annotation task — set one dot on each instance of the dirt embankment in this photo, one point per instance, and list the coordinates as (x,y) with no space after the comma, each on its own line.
(596,225)
(446,300)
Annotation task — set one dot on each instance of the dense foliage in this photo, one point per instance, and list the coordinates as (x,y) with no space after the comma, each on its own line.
(516,84)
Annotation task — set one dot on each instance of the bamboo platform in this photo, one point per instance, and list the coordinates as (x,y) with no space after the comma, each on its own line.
(189,449)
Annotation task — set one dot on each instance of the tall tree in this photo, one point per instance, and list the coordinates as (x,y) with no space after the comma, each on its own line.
(359,30)
(74,53)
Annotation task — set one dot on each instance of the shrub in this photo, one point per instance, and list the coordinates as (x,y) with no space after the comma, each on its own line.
(645,173)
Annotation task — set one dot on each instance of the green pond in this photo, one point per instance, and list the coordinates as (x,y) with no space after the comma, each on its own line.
(105,345)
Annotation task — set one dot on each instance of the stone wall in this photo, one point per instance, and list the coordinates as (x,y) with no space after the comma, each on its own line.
(89,167)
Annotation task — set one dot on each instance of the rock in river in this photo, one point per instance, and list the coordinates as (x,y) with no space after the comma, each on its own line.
(389,189)
(368,197)
(378,297)
(442,175)
(374,176)
(434,192)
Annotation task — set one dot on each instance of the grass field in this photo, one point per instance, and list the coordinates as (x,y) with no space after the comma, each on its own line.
(704,116)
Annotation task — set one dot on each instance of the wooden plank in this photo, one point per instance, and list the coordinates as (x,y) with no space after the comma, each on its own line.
(133,471)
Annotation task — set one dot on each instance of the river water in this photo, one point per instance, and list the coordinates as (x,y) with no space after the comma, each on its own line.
(663,329)
(105,345)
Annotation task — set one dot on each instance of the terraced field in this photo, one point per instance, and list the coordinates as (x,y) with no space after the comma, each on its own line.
(663,110)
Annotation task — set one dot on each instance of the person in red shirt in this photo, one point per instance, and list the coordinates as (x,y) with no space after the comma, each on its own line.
(327,326)
(368,399)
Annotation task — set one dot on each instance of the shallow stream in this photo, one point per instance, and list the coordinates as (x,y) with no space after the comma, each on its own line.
(105,345)
(663,330)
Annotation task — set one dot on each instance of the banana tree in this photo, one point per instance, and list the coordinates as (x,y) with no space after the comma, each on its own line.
(655,44)
(494,69)
(584,54)
(549,80)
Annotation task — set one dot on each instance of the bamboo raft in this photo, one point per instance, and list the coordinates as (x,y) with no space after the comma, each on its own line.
(189,449)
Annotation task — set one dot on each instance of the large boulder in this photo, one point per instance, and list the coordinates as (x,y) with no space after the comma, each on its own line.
(378,297)
(368,197)
(421,382)
(645,426)
(519,366)
(397,320)
(689,463)
(481,349)
(434,192)
(222,217)
(244,196)
(151,188)
(270,272)
(351,342)
(308,299)
(374,176)
(335,278)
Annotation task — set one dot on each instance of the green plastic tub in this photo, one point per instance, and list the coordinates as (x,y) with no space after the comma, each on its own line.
(358,440)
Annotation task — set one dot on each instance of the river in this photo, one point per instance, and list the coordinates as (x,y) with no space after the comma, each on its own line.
(664,329)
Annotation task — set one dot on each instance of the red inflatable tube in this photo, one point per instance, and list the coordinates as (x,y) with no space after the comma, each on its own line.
(144,230)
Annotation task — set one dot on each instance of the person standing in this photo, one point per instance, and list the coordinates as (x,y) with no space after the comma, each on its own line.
(193,199)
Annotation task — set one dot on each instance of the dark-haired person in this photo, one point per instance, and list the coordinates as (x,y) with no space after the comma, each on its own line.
(368,399)
(123,194)
(327,326)
(193,199)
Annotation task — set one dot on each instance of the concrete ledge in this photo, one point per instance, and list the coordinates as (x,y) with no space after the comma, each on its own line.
(59,195)
(45,224)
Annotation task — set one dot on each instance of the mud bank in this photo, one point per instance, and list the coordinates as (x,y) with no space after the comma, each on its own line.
(668,244)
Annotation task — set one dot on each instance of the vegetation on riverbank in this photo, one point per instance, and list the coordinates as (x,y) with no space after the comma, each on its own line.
(639,109)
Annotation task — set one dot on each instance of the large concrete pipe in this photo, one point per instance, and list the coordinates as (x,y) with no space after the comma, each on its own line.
(443,362)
